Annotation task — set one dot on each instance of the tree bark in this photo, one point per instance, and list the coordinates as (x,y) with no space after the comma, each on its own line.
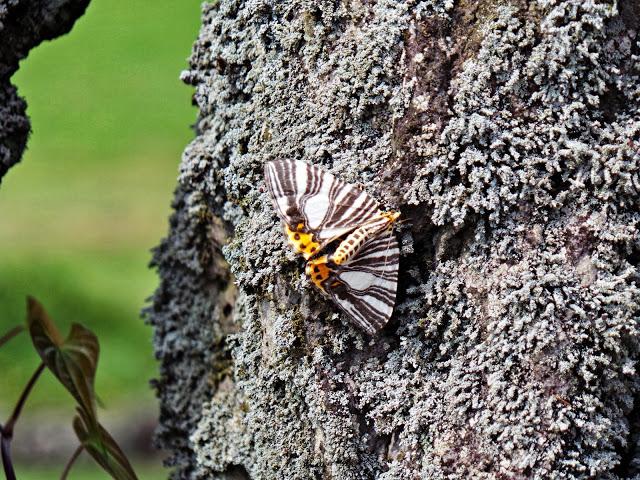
(23,25)
(507,134)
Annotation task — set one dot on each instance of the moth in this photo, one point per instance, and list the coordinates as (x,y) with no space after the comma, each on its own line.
(347,239)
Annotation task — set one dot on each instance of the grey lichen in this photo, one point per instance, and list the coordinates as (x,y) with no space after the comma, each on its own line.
(508,135)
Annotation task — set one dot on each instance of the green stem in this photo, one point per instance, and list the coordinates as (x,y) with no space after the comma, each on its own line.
(67,467)
(9,473)
(7,431)
(10,334)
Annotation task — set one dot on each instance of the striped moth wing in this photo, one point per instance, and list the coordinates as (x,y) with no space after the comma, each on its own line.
(365,287)
(315,206)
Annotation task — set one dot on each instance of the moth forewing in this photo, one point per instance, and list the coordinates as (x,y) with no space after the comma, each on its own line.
(325,206)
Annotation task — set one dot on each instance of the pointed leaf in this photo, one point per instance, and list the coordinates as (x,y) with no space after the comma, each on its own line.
(72,360)
(102,447)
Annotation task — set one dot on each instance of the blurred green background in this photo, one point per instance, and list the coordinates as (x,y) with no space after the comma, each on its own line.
(92,194)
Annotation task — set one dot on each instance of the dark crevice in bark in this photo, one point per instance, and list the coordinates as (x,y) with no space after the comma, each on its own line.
(629,11)
(613,102)
(236,472)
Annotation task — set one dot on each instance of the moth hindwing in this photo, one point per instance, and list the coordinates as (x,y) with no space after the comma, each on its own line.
(361,274)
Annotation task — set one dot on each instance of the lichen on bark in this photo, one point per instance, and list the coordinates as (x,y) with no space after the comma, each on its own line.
(507,134)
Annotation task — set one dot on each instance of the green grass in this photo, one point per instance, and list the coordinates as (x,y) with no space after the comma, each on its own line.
(85,471)
(103,291)
(110,88)
(91,196)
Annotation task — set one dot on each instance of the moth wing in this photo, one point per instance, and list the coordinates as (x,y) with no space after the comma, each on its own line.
(365,287)
(325,206)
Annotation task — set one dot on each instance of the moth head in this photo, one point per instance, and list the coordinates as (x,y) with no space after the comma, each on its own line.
(391,216)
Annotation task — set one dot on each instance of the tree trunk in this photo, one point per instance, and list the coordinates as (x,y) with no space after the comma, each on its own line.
(23,25)
(507,134)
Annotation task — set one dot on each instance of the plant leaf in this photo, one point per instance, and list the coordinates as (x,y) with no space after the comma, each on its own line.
(102,447)
(72,360)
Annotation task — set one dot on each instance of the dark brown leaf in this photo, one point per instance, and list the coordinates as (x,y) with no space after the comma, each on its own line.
(72,360)
(102,447)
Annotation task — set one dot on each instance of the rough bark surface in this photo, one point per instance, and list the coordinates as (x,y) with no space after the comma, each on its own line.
(23,25)
(507,133)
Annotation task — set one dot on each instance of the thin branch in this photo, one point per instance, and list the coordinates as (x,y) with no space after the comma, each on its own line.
(8,427)
(71,461)
(10,334)
(6,431)
(7,464)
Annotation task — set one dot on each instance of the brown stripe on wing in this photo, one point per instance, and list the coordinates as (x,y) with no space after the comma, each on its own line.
(332,214)
(314,181)
(360,312)
(345,214)
(378,256)
(280,182)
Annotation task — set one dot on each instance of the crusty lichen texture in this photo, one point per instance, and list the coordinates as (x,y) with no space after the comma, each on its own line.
(508,135)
